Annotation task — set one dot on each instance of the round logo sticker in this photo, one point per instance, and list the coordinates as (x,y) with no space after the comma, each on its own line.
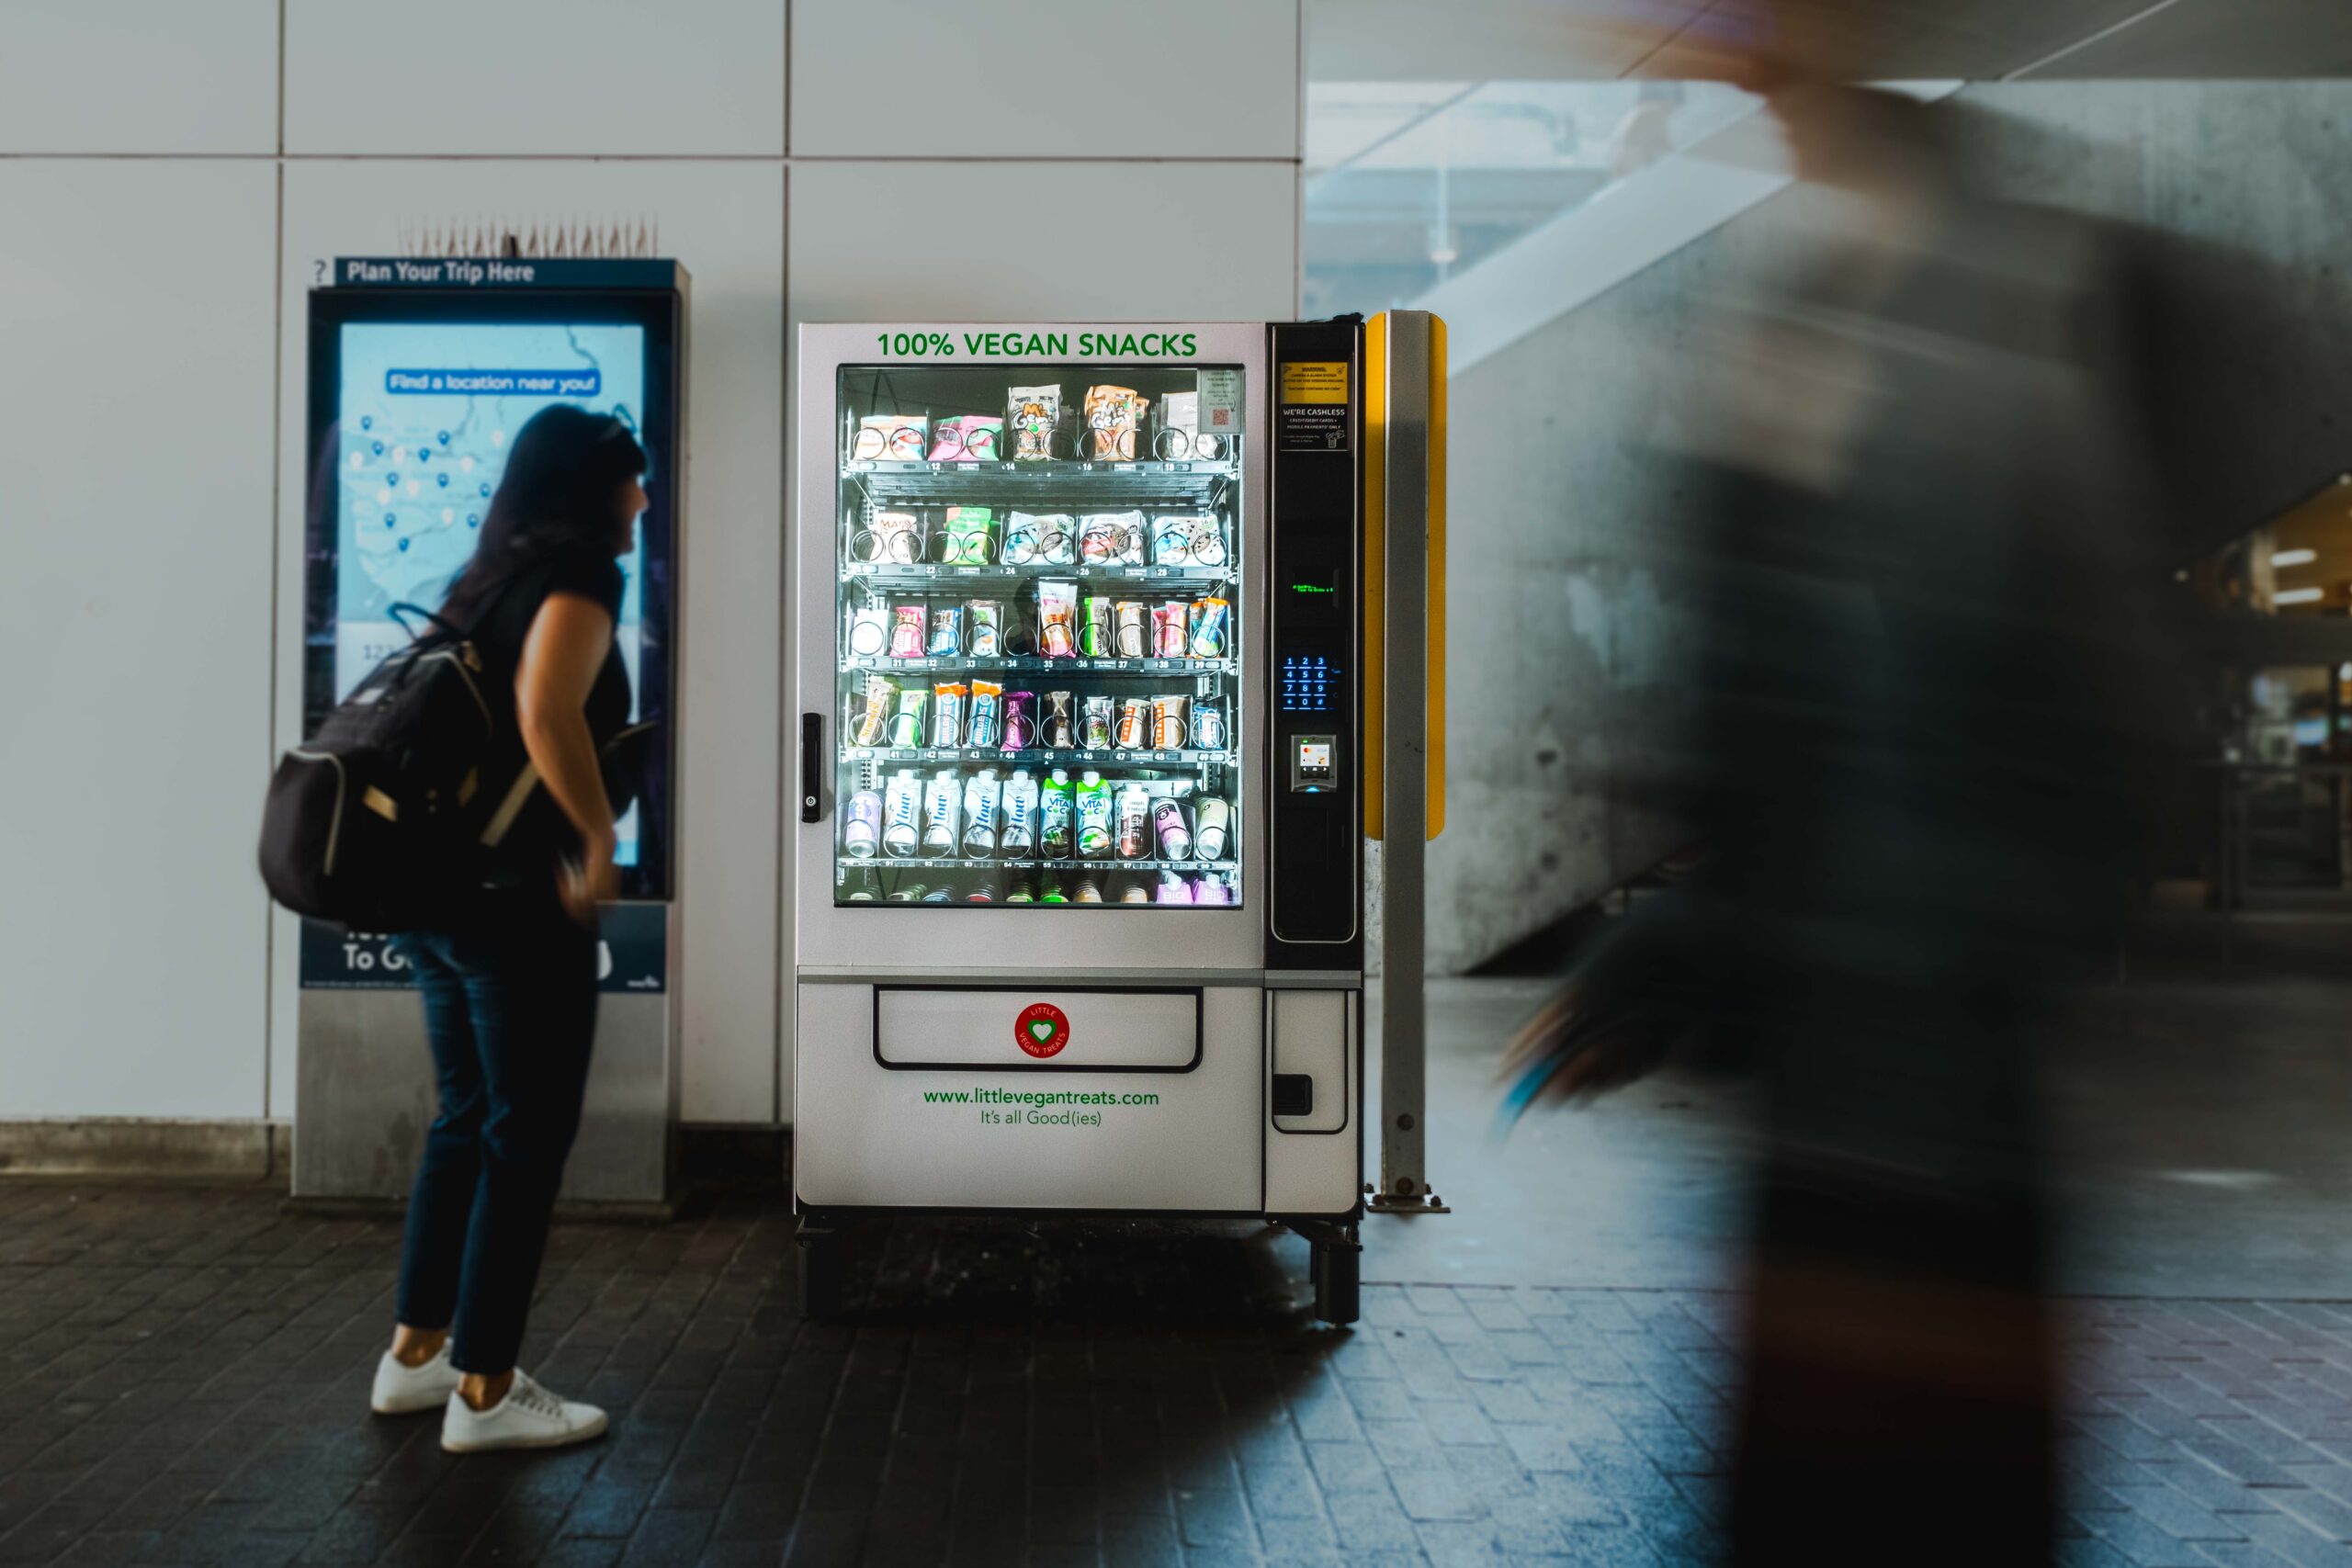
(1041,1029)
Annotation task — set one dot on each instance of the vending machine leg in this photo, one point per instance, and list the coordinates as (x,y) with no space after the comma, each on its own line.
(821,1272)
(1335,1267)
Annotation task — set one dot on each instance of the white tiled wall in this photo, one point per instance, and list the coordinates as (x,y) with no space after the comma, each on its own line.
(138,76)
(1059,160)
(135,389)
(1045,78)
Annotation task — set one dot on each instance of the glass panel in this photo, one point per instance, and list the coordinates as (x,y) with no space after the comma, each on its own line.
(1039,653)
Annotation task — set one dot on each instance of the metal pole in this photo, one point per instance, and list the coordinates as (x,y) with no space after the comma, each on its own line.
(1404,1021)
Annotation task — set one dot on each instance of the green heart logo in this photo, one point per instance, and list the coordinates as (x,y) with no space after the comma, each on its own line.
(1041,1029)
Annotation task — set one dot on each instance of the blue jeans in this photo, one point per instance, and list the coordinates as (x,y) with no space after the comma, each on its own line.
(512,1019)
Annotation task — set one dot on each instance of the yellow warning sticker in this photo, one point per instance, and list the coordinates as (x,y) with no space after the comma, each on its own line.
(1315,381)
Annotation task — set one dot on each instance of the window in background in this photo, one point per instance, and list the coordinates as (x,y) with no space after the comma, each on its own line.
(1411,183)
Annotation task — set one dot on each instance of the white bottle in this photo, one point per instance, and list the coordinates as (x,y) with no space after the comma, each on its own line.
(1134,822)
(980,814)
(1020,835)
(939,802)
(901,813)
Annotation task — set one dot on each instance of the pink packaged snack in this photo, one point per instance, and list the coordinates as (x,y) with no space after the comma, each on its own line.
(1168,630)
(965,438)
(1020,720)
(906,631)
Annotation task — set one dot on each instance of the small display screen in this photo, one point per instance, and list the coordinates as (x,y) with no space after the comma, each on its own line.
(1314,755)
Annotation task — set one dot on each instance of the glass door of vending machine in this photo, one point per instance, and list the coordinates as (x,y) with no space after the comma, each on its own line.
(1029,650)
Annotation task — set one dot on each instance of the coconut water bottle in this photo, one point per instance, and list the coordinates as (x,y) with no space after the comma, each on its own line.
(1054,818)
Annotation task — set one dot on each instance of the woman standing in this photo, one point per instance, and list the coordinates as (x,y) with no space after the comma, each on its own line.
(510,983)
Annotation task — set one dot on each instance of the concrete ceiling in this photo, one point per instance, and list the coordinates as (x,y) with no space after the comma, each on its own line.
(1361,41)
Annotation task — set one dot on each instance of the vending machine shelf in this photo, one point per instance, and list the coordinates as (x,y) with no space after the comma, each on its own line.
(888,665)
(1026,863)
(900,574)
(1040,757)
(1036,482)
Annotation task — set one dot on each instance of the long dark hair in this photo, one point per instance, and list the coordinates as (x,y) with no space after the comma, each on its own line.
(564,470)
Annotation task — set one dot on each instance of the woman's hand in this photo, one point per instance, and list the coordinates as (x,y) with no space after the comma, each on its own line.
(589,881)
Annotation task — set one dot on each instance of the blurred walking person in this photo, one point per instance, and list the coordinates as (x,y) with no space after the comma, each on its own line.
(509,980)
(1920,621)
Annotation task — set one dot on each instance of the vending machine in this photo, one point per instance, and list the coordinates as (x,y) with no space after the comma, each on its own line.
(1079,900)
(421,370)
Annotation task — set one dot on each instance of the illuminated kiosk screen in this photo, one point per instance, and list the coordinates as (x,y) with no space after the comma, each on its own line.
(423,416)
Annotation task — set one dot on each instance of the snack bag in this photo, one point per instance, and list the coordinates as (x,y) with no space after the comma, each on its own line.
(869,628)
(897,536)
(1208,727)
(1020,720)
(947,631)
(906,631)
(1095,639)
(1132,641)
(1032,412)
(905,725)
(1057,619)
(1110,538)
(1040,538)
(971,537)
(965,438)
(1168,722)
(1208,628)
(890,437)
(947,700)
(874,722)
(1172,537)
(987,714)
(1134,725)
(1113,414)
(1168,630)
(1057,721)
(985,616)
(1095,735)
(1180,416)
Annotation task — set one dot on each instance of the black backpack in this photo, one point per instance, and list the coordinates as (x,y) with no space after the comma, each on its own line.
(386,819)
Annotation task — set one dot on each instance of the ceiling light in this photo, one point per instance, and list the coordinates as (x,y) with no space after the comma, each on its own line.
(2300,596)
(2294,558)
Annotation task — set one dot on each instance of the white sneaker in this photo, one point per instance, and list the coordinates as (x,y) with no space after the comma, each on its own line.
(529,1417)
(404,1391)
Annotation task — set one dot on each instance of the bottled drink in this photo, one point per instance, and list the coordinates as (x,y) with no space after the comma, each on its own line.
(1210,820)
(940,801)
(1020,834)
(980,803)
(862,824)
(1134,822)
(1168,827)
(1093,816)
(901,814)
(1053,819)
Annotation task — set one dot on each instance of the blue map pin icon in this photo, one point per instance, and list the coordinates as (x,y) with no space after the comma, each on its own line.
(367,423)
(442,479)
(391,520)
(403,544)
(380,449)
(473,519)
(445,438)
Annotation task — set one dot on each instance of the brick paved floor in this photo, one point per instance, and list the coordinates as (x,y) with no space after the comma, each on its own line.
(185,1378)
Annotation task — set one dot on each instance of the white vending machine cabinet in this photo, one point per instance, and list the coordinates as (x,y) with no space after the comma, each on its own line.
(1080,893)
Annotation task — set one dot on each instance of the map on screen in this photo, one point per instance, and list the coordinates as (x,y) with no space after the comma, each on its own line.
(423,414)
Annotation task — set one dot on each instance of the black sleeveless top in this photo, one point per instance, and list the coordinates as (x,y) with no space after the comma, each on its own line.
(523,870)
